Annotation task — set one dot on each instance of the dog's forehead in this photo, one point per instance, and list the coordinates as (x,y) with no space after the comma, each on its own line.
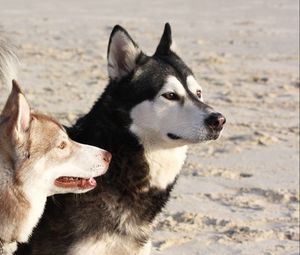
(47,128)
(158,73)
(177,67)
(173,84)
(189,86)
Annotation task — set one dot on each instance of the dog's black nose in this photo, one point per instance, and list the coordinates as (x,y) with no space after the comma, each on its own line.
(215,121)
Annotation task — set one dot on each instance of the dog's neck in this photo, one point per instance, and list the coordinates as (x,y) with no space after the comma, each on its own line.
(21,206)
(165,161)
(164,165)
(13,210)
(37,200)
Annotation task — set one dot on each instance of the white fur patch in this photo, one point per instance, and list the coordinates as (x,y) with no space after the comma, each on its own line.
(193,85)
(165,165)
(9,248)
(173,85)
(154,120)
(36,194)
(109,245)
(90,246)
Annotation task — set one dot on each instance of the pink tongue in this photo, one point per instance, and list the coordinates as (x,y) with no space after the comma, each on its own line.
(87,183)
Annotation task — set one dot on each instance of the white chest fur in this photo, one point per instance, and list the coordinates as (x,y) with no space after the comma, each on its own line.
(110,245)
(165,165)
(37,201)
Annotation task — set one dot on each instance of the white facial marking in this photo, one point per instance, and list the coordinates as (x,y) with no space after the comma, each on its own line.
(193,86)
(173,85)
(85,162)
(154,121)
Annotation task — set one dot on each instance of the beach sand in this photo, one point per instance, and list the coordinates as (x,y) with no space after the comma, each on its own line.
(237,195)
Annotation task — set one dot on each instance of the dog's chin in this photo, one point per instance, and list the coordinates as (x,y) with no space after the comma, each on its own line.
(181,140)
(189,140)
(213,136)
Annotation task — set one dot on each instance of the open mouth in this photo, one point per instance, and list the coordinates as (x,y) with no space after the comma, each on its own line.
(75,182)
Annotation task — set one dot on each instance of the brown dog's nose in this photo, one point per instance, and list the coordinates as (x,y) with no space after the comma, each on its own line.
(106,156)
(215,121)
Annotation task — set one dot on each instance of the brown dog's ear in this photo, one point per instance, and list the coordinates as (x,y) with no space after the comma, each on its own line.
(17,113)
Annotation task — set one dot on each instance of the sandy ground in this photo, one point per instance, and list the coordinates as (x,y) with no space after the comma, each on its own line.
(238,195)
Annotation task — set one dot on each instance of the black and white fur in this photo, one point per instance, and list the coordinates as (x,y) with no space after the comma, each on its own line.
(150,111)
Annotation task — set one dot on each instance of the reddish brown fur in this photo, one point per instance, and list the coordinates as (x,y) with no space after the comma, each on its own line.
(14,208)
(41,136)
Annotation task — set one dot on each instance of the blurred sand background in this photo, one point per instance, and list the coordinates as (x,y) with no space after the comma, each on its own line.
(238,195)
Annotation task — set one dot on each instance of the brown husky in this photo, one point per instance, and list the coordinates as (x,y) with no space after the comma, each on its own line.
(38,159)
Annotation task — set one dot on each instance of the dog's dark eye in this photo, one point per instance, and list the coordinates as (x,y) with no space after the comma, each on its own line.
(199,93)
(170,96)
(62,145)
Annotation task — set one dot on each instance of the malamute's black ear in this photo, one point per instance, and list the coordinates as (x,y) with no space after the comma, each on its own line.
(122,53)
(165,44)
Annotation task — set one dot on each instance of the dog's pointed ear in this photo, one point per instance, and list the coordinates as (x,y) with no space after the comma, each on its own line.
(17,111)
(122,54)
(165,45)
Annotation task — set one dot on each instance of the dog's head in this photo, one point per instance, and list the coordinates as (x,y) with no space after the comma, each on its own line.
(161,92)
(40,155)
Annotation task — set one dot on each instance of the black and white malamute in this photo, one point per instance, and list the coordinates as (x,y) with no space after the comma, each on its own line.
(150,111)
